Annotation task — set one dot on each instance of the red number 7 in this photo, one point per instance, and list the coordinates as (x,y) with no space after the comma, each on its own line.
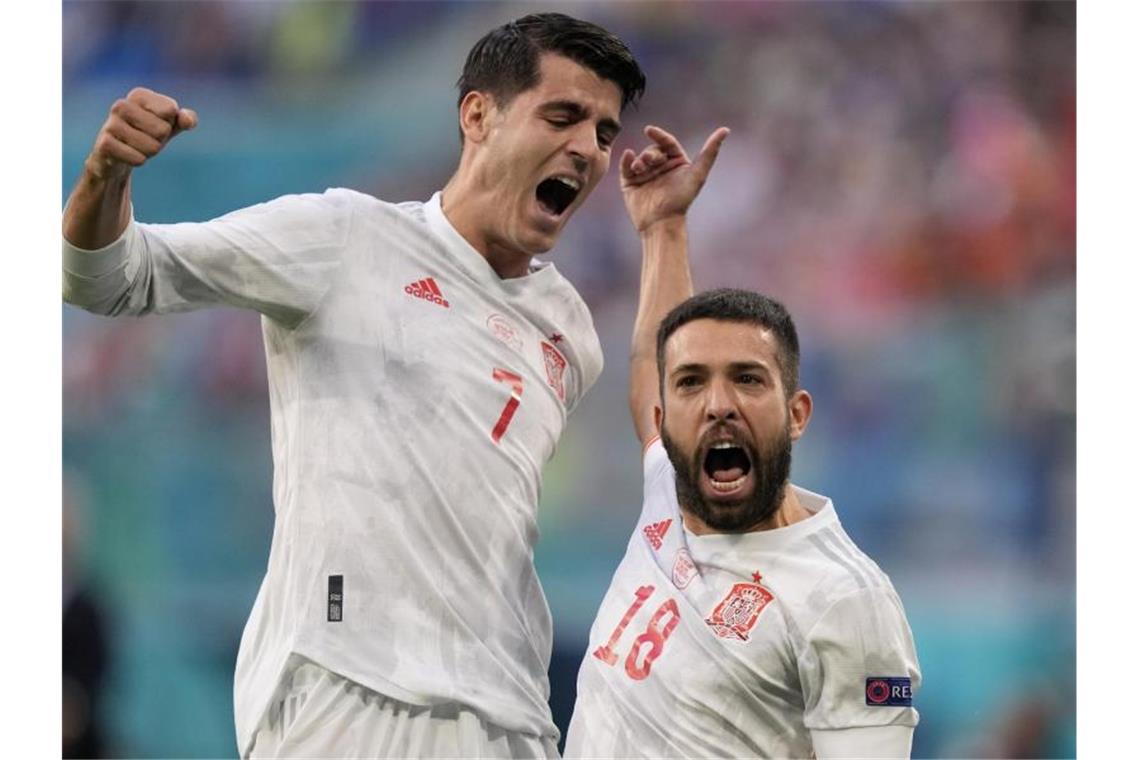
(503,376)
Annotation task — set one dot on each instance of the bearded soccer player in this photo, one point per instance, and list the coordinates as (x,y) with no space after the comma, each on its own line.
(742,621)
(421,369)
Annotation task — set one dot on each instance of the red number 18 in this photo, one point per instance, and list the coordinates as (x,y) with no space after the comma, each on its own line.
(655,635)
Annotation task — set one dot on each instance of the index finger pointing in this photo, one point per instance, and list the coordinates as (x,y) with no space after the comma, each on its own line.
(669,144)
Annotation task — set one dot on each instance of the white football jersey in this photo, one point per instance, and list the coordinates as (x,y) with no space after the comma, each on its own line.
(415,397)
(739,645)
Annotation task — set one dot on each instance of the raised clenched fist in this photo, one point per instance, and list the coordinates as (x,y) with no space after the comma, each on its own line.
(137,128)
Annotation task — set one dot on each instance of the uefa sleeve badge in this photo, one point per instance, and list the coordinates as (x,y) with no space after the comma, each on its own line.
(888,692)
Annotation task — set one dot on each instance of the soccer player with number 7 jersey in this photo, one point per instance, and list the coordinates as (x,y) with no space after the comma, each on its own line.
(742,621)
(421,369)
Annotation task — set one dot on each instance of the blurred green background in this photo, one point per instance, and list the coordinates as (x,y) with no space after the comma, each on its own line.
(901,175)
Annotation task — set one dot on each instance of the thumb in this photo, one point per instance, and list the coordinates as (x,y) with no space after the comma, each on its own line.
(185,119)
(707,157)
(626,163)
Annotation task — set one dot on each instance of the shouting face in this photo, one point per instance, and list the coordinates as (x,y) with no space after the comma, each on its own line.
(728,424)
(537,158)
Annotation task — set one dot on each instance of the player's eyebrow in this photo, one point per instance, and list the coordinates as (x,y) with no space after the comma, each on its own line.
(577,111)
(749,366)
(734,367)
(691,368)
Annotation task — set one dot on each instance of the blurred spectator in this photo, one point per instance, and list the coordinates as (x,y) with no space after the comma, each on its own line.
(85,648)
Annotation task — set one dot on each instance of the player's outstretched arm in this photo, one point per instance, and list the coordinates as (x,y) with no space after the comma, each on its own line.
(138,127)
(658,185)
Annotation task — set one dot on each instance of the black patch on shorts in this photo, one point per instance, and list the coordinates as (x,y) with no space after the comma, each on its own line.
(336,598)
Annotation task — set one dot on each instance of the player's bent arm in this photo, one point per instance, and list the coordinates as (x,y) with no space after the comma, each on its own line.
(862,742)
(137,128)
(277,258)
(658,186)
(665,282)
(97,212)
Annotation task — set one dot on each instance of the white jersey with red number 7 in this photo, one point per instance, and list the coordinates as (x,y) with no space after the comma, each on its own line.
(415,397)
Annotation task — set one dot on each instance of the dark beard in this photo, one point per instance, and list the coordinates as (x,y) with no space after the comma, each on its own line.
(770,468)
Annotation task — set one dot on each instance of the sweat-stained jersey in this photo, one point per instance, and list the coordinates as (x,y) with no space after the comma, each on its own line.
(414,397)
(740,645)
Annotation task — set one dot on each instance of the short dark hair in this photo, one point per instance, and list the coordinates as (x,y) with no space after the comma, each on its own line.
(505,61)
(732,305)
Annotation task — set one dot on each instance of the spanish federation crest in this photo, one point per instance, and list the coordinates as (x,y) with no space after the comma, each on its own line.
(555,368)
(734,617)
(502,329)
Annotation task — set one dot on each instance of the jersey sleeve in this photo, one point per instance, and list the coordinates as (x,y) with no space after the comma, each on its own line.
(865,742)
(655,463)
(277,258)
(589,359)
(584,375)
(859,667)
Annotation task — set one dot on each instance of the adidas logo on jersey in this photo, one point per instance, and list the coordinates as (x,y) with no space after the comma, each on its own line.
(657,531)
(427,290)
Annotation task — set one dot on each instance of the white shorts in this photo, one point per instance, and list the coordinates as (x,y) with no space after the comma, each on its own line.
(325,715)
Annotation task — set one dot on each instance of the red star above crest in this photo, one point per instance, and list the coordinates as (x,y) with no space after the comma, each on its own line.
(556,338)
(756,576)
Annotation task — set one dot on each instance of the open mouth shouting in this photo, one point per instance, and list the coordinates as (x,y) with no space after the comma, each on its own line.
(556,194)
(729,483)
(726,470)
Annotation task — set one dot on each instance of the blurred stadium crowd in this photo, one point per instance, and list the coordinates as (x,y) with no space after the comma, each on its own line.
(901,175)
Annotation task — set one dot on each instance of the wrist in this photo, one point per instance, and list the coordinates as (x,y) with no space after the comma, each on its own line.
(105,173)
(98,209)
(666,227)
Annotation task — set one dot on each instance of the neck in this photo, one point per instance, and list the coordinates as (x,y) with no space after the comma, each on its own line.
(468,207)
(789,512)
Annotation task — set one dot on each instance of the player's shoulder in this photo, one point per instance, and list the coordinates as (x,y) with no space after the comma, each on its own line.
(559,297)
(405,223)
(831,571)
(573,299)
(655,464)
(562,306)
(329,210)
(310,207)
(581,321)
(843,569)
(360,200)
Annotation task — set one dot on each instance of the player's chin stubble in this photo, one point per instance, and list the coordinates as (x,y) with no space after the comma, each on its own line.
(770,468)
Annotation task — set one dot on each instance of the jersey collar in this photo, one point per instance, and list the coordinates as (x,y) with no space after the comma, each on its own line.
(822,515)
(542,273)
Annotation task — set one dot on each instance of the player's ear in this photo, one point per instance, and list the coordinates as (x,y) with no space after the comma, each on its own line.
(799,412)
(475,115)
(658,415)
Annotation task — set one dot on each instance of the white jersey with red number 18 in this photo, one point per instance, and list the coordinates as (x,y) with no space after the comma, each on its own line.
(739,645)
(415,397)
